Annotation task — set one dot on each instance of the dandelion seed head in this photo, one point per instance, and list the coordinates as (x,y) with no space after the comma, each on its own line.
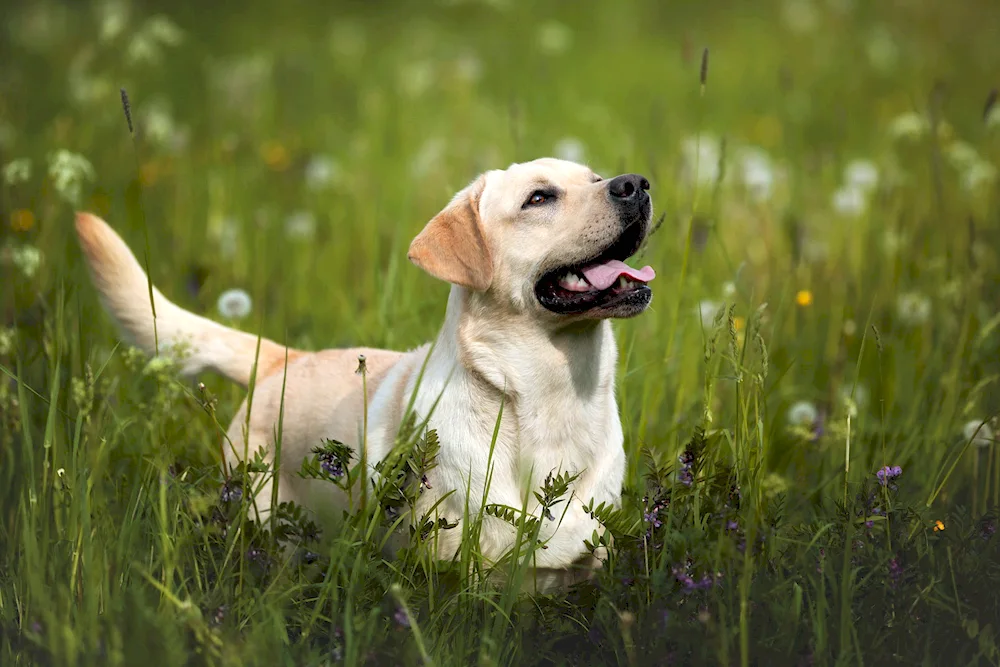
(235,304)
(758,173)
(701,153)
(707,310)
(803,413)
(321,172)
(301,225)
(570,149)
(913,308)
(981,436)
(861,174)
(850,201)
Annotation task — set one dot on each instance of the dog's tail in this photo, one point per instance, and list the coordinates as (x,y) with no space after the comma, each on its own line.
(197,343)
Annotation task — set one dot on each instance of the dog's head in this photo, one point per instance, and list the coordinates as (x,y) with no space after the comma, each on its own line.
(547,236)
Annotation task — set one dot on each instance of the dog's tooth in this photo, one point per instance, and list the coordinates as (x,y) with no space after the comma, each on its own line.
(622,282)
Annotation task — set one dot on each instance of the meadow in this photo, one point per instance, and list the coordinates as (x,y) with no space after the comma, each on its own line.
(810,404)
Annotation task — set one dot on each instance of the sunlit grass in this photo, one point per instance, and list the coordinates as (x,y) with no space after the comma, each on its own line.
(826,308)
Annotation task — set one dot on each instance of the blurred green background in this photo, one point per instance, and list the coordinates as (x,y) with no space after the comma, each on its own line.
(839,164)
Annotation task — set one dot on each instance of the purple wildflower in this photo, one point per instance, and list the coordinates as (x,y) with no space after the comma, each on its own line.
(219,615)
(231,492)
(886,474)
(329,464)
(817,429)
(401,618)
(987,529)
(688,583)
(685,474)
(895,572)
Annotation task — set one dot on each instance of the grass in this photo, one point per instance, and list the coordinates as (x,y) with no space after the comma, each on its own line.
(807,330)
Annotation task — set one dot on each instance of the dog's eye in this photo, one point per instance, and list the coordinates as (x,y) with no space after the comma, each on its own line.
(538,197)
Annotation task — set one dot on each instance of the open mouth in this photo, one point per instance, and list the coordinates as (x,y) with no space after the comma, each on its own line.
(604,284)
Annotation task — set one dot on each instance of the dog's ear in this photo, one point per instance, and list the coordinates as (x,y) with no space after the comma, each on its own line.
(452,246)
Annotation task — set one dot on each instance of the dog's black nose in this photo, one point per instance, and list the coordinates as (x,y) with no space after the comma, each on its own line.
(628,186)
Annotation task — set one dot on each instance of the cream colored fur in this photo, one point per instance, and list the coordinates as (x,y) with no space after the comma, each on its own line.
(554,374)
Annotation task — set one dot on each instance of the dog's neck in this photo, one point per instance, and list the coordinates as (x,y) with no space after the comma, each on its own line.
(524,359)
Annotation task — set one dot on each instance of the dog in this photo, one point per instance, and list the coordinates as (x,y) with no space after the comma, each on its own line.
(534,255)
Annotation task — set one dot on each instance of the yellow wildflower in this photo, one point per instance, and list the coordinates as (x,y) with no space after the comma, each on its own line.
(275,156)
(804,298)
(22,220)
(938,526)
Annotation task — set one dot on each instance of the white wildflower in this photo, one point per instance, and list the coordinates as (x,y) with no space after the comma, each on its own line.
(156,123)
(235,304)
(909,125)
(707,311)
(961,154)
(861,174)
(850,328)
(17,171)
(554,37)
(757,173)
(801,16)
(26,258)
(146,45)
(729,289)
(802,413)
(913,308)
(164,30)
(978,174)
(850,201)
(113,16)
(8,338)
(68,172)
(571,149)
(321,172)
(159,365)
(993,117)
(978,432)
(301,225)
(701,153)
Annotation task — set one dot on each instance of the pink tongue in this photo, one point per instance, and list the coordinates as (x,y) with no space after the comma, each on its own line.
(603,276)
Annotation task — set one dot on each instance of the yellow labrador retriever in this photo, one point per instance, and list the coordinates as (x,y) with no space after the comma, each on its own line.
(535,257)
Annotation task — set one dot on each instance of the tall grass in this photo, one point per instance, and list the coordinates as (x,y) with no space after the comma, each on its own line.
(812,327)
